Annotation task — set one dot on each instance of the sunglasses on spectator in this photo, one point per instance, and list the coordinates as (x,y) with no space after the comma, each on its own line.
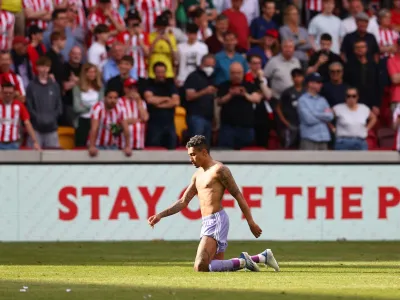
(351,95)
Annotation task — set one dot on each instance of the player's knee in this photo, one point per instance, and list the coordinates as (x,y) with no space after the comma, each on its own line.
(201,266)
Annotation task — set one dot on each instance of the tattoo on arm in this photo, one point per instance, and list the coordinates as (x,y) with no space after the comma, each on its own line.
(226,178)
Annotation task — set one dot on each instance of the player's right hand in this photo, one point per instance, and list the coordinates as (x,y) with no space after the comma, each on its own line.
(153,220)
(255,229)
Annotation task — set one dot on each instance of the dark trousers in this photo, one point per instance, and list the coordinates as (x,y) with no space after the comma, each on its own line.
(161,135)
(235,137)
(197,125)
(82,132)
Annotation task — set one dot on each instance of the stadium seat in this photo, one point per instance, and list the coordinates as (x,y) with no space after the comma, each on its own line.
(386,138)
(66,137)
(273,141)
(372,140)
(180,121)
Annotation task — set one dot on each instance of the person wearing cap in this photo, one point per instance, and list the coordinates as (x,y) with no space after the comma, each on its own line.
(21,64)
(268,48)
(347,48)
(136,114)
(116,83)
(314,116)
(36,48)
(260,25)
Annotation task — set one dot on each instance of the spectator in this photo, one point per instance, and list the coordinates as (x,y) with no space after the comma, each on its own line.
(150,11)
(353,121)
(387,36)
(76,15)
(262,24)
(72,70)
(43,100)
(250,8)
(208,6)
(268,48)
(21,64)
(7,75)
(263,114)
(97,53)
(200,94)
(136,113)
(347,49)
(117,83)
(293,31)
(278,69)
(179,35)
(105,14)
(393,68)
(59,24)
(362,73)
(395,15)
(396,126)
(314,114)
(86,94)
(162,97)
(58,41)
(163,48)
(334,90)
(321,60)
(286,109)
(36,47)
(37,13)
(215,42)
(326,23)
(12,114)
(238,23)
(236,98)
(137,43)
(312,8)
(226,57)
(349,24)
(200,19)
(111,68)
(107,123)
(190,54)
(7,23)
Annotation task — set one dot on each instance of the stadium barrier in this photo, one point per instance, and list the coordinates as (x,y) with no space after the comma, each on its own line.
(67,196)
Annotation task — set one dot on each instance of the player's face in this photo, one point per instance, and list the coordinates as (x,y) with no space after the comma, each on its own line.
(196,156)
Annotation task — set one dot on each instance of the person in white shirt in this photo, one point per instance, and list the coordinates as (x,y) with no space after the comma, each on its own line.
(251,9)
(349,24)
(190,54)
(326,22)
(97,53)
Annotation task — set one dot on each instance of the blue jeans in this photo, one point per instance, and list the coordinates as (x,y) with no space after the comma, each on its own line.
(235,137)
(9,146)
(350,143)
(201,126)
(161,135)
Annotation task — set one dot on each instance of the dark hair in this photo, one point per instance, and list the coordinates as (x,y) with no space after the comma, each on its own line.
(326,37)
(192,28)
(199,142)
(111,90)
(197,13)
(267,2)
(101,28)
(207,56)
(162,21)
(159,64)
(7,85)
(43,61)
(360,40)
(297,72)
(128,59)
(104,1)
(352,88)
(251,56)
(56,12)
(226,34)
(221,17)
(133,15)
(34,29)
(57,35)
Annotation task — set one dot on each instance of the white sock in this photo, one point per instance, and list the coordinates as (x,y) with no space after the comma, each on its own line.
(242,263)
(262,258)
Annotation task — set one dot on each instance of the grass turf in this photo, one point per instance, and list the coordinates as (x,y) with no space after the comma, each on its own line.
(163,270)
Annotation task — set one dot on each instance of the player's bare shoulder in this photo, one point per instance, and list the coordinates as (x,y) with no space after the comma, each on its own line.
(224,175)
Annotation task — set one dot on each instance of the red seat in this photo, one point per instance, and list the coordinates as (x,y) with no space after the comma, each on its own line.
(273,141)
(386,138)
(372,140)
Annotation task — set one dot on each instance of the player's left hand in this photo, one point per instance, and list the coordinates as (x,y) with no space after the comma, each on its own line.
(255,229)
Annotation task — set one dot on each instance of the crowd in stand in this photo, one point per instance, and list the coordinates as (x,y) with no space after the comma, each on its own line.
(311,75)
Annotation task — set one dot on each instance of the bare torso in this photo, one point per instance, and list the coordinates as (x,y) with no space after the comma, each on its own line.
(210,190)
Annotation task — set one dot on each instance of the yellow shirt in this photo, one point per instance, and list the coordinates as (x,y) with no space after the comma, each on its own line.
(13,6)
(162,53)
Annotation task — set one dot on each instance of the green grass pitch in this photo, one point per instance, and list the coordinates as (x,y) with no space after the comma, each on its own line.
(163,270)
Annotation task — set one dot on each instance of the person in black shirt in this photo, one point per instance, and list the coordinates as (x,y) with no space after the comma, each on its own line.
(347,48)
(286,109)
(335,90)
(200,95)
(322,59)
(236,98)
(162,97)
(117,83)
(58,40)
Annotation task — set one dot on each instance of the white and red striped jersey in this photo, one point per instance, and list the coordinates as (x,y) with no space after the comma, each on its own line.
(14,79)
(137,131)
(387,37)
(7,22)
(315,5)
(150,9)
(11,115)
(78,5)
(97,17)
(396,115)
(107,117)
(134,49)
(36,6)
(90,4)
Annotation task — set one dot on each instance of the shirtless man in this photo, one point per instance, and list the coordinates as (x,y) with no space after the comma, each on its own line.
(209,183)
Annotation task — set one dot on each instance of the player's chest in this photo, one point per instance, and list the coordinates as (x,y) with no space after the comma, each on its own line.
(205,181)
